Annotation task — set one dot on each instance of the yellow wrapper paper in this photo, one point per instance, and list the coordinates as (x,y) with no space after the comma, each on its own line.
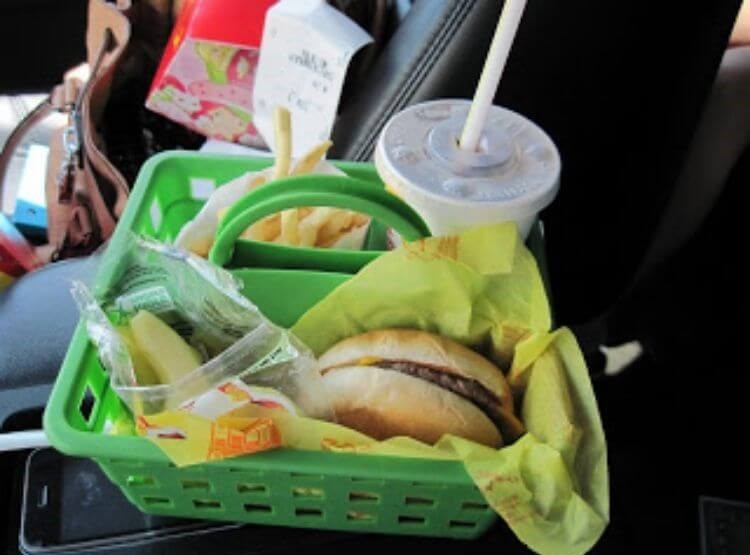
(480,287)
(483,289)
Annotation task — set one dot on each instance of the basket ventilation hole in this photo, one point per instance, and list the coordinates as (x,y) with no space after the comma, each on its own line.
(140,480)
(193,485)
(155,213)
(201,188)
(357,516)
(88,402)
(474,506)
(206,504)
(462,524)
(412,520)
(308,513)
(251,488)
(157,501)
(258,509)
(363,497)
(308,492)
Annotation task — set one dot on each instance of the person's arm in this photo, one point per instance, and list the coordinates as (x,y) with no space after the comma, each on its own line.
(741,32)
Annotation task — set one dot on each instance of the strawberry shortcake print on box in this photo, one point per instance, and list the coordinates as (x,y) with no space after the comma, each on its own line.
(205,79)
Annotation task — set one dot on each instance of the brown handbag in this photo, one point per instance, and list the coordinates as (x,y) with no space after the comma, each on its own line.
(85,192)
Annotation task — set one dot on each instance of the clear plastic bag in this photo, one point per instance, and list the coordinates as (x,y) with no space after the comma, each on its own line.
(203,304)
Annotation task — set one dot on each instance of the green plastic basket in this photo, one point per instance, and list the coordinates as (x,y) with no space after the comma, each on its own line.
(358,493)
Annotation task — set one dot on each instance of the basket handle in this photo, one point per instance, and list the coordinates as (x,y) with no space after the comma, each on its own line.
(336,191)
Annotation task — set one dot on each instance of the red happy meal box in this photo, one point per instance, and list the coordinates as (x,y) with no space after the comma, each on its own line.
(205,78)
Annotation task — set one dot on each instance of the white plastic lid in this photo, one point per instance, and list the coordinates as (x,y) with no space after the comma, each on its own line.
(517,166)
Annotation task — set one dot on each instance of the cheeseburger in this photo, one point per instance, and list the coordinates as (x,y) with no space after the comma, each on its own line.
(403,382)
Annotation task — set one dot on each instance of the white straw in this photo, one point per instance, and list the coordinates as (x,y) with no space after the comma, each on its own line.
(493,70)
(16,441)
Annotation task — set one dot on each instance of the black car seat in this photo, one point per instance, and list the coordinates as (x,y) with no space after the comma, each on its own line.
(618,86)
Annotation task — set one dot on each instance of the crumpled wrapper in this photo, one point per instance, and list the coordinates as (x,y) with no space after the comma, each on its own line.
(483,289)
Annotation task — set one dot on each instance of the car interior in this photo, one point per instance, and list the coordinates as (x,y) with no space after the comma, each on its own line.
(648,105)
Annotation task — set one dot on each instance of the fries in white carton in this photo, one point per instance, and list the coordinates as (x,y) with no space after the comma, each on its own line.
(305,227)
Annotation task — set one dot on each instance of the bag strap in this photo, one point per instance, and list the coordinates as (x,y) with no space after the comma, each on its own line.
(78,216)
(16,137)
(107,37)
(92,157)
(82,224)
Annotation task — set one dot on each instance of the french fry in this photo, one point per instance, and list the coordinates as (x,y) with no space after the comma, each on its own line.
(360,220)
(257,181)
(253,232)
(315,227)
(307,236)
(266,229)
(282,131)
(289,223)
(272,227)
(198,234)
(200,246)
(309,228)
(328,241)
(307,163)
(335,229)
(340,220)
(306,226)
(282,134)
